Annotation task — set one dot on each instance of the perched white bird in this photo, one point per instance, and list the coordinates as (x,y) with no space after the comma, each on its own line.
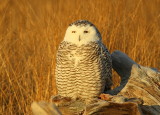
(83,63)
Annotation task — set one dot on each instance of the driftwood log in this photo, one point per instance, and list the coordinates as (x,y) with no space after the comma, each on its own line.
(138,82)
(138,94)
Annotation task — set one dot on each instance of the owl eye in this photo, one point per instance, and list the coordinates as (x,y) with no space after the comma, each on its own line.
(73,31)
(85,31)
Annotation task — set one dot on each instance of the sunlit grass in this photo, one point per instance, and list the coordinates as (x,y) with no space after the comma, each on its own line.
(30,32)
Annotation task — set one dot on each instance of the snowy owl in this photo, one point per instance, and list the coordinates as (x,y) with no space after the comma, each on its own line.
(83,63)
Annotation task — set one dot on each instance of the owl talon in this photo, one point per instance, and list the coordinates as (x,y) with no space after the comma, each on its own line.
(60,100)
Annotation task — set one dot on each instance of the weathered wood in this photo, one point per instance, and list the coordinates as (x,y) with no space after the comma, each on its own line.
(115,105)
(44,108)
(122,64)
(138,82)
(139,90)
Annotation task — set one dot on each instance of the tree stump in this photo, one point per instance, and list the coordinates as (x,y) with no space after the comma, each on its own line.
(138,93)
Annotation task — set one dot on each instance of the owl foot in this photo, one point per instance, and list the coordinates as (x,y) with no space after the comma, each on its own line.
(59,100)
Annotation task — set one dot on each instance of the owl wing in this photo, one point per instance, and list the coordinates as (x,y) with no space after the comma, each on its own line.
(108,66)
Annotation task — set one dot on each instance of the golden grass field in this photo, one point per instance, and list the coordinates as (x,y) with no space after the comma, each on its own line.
(31,30)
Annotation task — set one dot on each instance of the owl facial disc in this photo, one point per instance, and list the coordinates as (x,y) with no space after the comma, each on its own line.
(82,32)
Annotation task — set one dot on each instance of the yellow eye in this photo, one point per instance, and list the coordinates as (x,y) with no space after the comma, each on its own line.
(73,31)
(85,31)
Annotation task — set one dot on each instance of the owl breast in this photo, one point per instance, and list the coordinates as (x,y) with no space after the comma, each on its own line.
(81,71)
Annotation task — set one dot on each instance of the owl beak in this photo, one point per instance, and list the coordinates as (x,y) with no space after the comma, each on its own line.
(79,38)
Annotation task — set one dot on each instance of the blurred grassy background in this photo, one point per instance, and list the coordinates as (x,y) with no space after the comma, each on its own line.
(31,30)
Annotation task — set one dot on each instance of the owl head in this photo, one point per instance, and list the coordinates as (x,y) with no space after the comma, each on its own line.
(82,32)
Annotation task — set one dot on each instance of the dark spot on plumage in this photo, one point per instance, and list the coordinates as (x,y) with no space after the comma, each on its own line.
(81,23)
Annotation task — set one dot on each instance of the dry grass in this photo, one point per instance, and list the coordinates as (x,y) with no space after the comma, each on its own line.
(30,32)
